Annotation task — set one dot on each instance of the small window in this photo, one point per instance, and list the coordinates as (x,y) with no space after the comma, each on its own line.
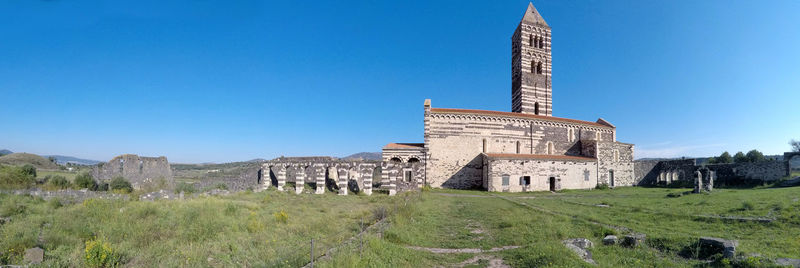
(550,147)
(506,178)
(484,145)
(570,135)
(536,108)
(407,175)
(533,41)
(525,180)
(413,160)
(586,175)
(541,42)
(539,68)
(518,147)
(616,155)
(597,136)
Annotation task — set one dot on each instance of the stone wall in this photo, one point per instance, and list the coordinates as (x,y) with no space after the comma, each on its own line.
(762,171)
(614,163)
(456,138)
(645,171)
(137,170)
(566,174)
(671,171)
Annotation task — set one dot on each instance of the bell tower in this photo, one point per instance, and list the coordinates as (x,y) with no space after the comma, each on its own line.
(531,62)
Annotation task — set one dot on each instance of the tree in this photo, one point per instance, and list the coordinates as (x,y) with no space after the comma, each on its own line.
(29,169)
(725,158)
(755,156)
(120,184)
(740,158)
(85,181)
(711,160)
(795,145)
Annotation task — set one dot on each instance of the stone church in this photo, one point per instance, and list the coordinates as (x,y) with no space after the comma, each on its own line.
(527,149)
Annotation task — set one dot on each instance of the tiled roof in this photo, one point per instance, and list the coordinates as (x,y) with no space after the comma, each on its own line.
(404,146)
(519,115)
(542,157)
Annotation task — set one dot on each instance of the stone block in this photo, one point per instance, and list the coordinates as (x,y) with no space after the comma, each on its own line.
(610,240)
(633,240)
(34,255)
(713,245)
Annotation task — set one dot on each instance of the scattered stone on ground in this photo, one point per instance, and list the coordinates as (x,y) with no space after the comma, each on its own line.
(610,240)
(602,205)
(461,250)
(581,246)
(633,240)
(788,262)
(4,220)
(34,255)
(494,262)
(715,245)
(168,195)
(476,229)
(67,196)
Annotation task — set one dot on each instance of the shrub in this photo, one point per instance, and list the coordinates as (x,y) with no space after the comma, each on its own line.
(747,206)
(85,181)
(119,184)
(281,216)
(58,181)
(29,169)
(184,187)
(102,186)
(15,178)
(602,186)
(100,254)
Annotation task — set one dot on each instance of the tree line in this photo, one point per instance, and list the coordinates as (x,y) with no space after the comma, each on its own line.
(753,156)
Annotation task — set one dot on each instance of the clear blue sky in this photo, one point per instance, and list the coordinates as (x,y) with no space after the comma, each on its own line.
(215,81)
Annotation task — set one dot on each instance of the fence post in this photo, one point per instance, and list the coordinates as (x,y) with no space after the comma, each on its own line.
(312,252)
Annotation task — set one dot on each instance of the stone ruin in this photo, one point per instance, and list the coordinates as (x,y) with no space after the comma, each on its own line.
(704,180)
(339,175)
(139,171)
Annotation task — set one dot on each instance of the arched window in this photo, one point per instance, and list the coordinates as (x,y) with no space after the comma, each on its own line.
(616,155)
(533,41)
(570,135)
(396,160)
(539,68)
(550,147)
(541,42)
(484,145)
(536,108)
(518,147)
(533,67)
(413,160)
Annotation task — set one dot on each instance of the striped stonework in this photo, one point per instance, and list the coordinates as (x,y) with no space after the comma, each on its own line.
(281,177)
(342,181)
(531,64)
(300,180)
(320,175)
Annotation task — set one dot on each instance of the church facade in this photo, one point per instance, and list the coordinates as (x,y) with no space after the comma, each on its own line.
(527,149)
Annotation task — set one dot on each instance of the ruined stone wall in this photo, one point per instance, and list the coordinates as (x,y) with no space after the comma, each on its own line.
(645,172)
(137,170)
(455,142)
(567,174)
(403,154)
(616,158)
(763,171)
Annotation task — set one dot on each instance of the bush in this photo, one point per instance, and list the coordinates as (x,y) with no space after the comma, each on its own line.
(29,169)
(58,181)
(15,178)
(281,216)
(102,186)
(184,187)
(85,181)
(121,185)
(100,254)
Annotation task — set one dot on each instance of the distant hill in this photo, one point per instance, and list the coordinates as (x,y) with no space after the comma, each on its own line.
(63,160)
(18,159)
(365,156)
(5,152)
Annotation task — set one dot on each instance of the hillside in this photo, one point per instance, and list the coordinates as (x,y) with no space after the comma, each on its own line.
(365,156)
(26,158)
(62,160)
(5,152)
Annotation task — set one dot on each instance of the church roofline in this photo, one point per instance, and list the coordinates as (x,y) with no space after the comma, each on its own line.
(520,115)
(532,16)
(404,146)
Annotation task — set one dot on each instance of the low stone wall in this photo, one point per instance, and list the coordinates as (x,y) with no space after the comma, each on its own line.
(764,171)
(671,171)
(67,196)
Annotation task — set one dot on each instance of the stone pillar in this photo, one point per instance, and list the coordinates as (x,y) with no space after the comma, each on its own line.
(710,183)
(698,181)
(320,182)
(281,178)
(300,181)
(393,181)
(367,179)
(266,178)
(342,181)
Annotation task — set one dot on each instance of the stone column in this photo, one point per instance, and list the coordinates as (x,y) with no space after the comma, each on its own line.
(710,184)
(320,182)
(367,179)
(281,178)
(698,182)
(343,181)
(265,177)
(300,181)
(393,181)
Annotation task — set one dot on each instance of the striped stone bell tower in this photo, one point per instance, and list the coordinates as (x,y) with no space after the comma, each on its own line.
(531,87)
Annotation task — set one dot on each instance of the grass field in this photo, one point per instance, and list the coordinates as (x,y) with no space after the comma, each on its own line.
(244,230)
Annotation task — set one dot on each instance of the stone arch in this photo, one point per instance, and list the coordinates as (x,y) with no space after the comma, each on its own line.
(396,160)
(792,161)
(413,160)
(377,176)
(332,178)
(354,181)
(550,148)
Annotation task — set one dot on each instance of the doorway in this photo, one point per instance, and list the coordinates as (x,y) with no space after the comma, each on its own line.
(611,178)
(552,184)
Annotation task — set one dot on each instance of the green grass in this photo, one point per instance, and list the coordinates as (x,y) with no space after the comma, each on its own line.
(18,159)
(237,230)
(70,175)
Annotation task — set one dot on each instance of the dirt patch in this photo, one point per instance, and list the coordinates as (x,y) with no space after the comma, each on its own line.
(461,250)
(494,262)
